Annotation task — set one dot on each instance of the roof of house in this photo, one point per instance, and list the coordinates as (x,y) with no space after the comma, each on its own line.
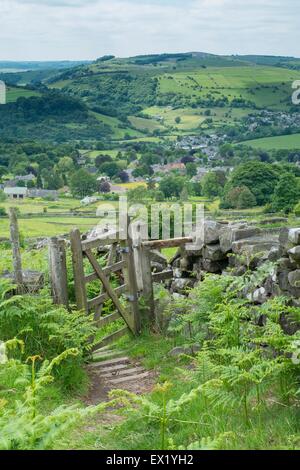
(42,193)
(16,190)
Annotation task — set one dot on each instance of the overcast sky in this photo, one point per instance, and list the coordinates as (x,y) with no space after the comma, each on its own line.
(87,29)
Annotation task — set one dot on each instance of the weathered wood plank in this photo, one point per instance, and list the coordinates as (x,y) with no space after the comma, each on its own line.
(109,319)
(163,276)
(115,362)
(111,338)
(78,269)
(130,276)
(104,297)
(108,238)
(16,252)
(134,377)
(170,243)
(148,292)
(122,372)
(58,271)
(107,270)
(110,291)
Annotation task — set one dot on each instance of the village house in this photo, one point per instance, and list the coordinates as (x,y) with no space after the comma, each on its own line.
(42,193)
(16,192)
(180,167)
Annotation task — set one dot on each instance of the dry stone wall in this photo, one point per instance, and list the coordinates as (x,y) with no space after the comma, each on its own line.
(234,248)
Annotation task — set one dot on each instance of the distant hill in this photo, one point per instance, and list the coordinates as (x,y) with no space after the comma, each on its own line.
(37,65)
(153,95)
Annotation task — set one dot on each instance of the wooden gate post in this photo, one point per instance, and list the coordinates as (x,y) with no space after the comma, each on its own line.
(58,271)
(147,280)
(16,252)
(130,279)
(78,270)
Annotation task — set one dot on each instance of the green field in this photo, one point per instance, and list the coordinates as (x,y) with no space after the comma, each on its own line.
(12,94)
(119,130)
(49,226)
(143,124)
(263,86)
(286,142)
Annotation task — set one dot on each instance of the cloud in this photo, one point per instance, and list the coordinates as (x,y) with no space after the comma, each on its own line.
(77,29)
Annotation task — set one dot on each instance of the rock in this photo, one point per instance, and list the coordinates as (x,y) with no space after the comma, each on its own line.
(274,254)
(179,350)
(294,254)
(208,232)
(157,257)
(294,278)
(283,281)
(239,271)
(294,236)
(284,239)
(176,296)
(288,324)
(251,247)
(185,264)
(214,267)
(182,285)
(286,286)
(232,234)
(33,280)
(157,267)
(213,253)
(177,273)
(285,264)
(260,296)
(274,220)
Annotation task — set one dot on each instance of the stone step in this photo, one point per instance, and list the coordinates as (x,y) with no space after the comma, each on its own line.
(129,378)
(106,355)
(109,362)
(121,372)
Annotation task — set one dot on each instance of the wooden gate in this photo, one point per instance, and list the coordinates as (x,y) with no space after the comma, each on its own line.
(120,263)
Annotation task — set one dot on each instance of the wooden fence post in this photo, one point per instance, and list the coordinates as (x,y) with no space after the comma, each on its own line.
(130,279)
(58,271)
(78,269)
(147,280)
(15,242)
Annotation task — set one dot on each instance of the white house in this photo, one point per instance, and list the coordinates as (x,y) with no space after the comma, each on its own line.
(16,193)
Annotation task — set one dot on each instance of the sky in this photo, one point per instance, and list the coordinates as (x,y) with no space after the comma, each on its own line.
(87,29)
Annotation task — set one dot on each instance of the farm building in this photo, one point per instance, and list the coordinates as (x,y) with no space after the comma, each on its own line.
(42,193)
(16,193)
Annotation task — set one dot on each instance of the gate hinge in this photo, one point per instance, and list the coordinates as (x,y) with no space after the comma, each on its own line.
(132,298)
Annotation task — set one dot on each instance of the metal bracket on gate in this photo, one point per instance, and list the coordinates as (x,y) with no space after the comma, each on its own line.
(132,298)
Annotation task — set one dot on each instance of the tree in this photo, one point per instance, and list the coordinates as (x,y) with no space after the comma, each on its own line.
(184,195)
(100,159)
(191,169)
(246,199)
(124,177)
(286,194)
(65,165)
(83,184)
(51,179)
(178,120)
(260,178)
(105,187)
(2,196)
(171,186)
(211,186)
(226,151)
(110,169)
(197,189)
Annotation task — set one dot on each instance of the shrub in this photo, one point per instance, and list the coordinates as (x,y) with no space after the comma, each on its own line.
(46,330)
